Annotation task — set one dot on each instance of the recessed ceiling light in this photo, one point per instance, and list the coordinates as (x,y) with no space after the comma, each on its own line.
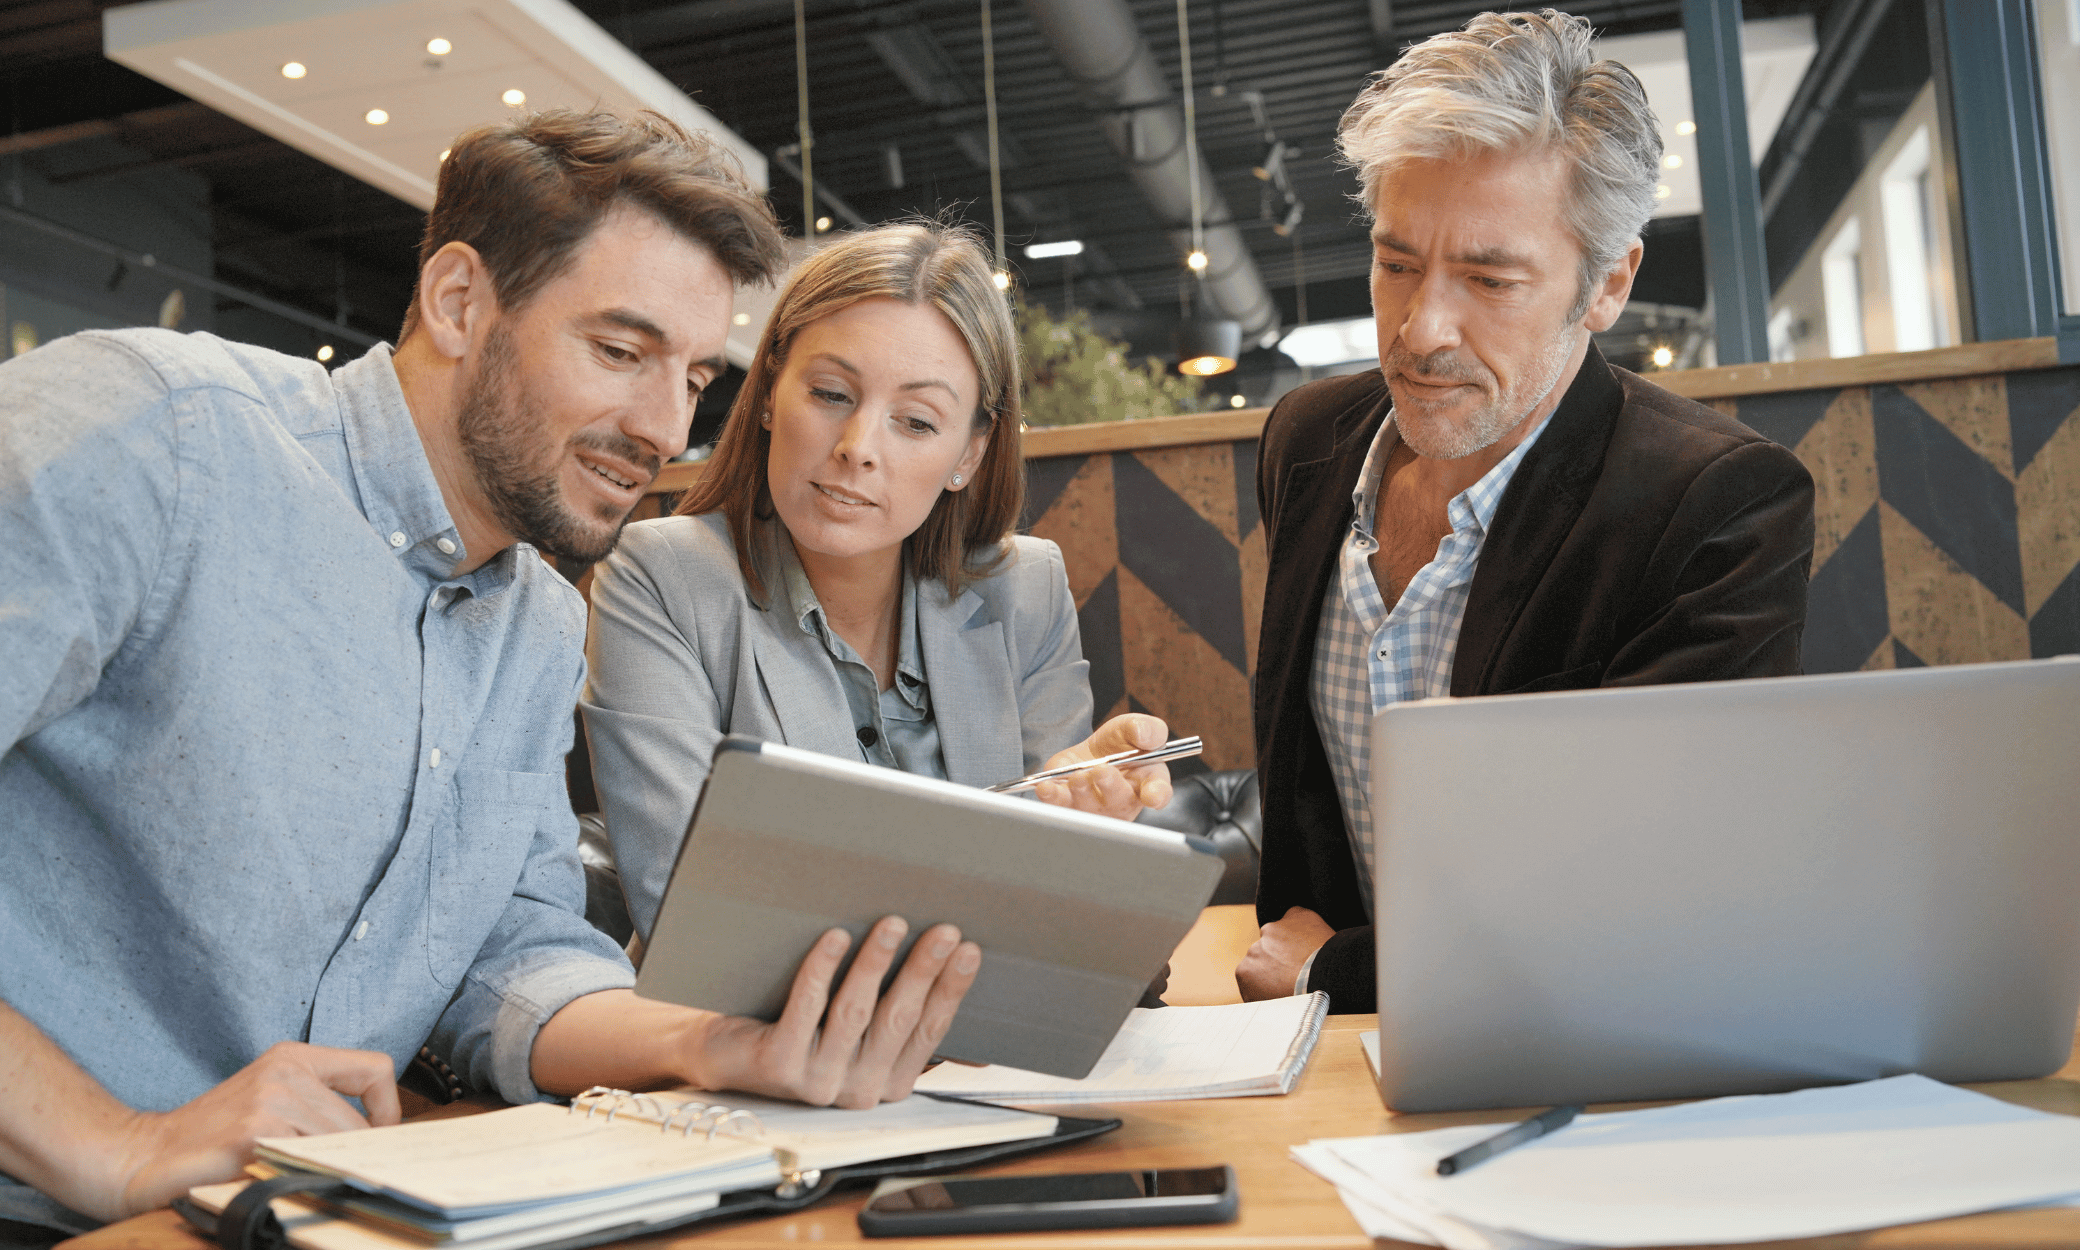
(294,69)
(1236,401)
(1196,261)
(375,117)
(822,224)
(439,47)
(1663,191)
(1664,356)
(1672,161)
(741,319)
(324,353)
(1686,128)
(514,97)
(1001,279)
(444,153)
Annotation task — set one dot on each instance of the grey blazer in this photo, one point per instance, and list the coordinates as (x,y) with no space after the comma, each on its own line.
(680,655)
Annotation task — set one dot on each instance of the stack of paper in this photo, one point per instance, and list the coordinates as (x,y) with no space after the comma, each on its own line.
(1164,1053)
(1758,1168)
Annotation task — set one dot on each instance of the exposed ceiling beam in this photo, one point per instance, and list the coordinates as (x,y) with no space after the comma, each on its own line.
(74,132)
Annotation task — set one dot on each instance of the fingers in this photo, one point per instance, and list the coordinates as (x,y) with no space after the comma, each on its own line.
(1130,731)
(944,999)
(793,1037)
(852,1010)
(898,1020)
(1103,790)
(362,1074)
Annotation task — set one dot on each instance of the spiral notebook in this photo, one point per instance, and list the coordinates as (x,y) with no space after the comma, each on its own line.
(607,1165)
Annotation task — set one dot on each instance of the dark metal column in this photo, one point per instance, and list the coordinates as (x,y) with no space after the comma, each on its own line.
(1734,262)
(1984,52)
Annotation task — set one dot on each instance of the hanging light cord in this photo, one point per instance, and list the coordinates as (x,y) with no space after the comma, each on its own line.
(989,105)
(1191,123)
(801,80)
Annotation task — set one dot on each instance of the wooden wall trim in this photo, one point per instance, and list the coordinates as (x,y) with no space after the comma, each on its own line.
(1964,361)
(1730,381)
(1195,427)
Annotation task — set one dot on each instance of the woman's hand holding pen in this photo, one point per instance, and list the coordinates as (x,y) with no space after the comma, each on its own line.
(1106,790)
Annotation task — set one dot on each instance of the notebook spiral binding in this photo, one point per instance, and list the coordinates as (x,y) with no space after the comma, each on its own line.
(694,1114)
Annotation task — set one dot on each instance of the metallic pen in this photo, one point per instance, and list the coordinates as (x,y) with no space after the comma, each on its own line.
(1176,748)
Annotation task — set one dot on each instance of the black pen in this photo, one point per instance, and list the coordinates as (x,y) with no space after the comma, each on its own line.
(1516,1135)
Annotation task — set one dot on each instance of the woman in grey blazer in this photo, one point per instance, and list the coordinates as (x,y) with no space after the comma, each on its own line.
(845,578)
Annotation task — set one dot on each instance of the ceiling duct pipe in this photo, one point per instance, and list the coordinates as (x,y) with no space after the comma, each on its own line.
(1105,55)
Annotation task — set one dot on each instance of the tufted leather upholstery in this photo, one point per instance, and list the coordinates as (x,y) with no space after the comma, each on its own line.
(1222,806)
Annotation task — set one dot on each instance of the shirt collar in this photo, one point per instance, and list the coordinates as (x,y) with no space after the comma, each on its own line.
(807,611)
(1475,505)
(399,495)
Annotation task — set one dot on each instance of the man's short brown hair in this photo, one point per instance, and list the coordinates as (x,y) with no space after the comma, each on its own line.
(526,193)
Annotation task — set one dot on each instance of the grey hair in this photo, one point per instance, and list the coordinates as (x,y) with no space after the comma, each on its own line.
(1519,82)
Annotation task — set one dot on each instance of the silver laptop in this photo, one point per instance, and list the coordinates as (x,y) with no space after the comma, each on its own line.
(1728,887)
(1075,913)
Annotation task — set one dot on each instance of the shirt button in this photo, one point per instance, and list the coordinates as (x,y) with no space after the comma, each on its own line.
(867,735)
(447,546)
(397,539)
(434,760)
(361,930)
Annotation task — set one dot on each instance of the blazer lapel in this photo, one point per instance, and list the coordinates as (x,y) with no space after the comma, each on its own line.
(1304,548)
(974,698)
(801,686)
(1544,500)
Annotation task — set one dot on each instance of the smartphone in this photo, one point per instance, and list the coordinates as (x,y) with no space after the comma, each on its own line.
(920,1206)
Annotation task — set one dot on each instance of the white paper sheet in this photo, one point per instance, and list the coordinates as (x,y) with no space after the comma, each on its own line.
(1733,1169)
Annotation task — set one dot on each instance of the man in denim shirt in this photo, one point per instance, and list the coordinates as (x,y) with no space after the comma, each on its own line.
(285,698)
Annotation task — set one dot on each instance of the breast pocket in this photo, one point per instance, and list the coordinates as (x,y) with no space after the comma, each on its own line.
(478,854)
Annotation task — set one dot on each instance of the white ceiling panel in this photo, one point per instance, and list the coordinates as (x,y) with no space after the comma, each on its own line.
(363,55)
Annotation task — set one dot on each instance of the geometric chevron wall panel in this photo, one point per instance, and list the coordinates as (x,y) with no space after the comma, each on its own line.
(1166,561)
(1947,517)
(1947,531)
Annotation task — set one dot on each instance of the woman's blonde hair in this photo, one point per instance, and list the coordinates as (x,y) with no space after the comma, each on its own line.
(920,263)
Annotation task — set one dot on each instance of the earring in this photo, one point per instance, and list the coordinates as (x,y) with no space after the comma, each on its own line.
(957,479)
(766,421)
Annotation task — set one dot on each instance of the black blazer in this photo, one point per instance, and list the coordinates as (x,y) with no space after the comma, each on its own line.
(1644,539)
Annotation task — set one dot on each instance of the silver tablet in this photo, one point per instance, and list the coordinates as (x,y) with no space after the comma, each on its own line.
(1729,887)
(1075,913)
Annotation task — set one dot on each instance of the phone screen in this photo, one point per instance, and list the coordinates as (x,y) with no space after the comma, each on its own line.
(991,1191)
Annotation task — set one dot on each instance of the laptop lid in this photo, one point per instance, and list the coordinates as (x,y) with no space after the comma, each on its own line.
(1728,887)
(1075,913)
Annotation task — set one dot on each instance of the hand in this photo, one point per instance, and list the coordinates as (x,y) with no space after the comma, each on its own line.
(1272,962)
(866,1052)
(292,1089)
(1107,791)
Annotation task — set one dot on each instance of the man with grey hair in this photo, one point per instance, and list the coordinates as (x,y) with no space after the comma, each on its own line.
(1495,510)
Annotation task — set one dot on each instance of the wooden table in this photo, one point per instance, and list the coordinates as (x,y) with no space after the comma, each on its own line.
(1283,1205)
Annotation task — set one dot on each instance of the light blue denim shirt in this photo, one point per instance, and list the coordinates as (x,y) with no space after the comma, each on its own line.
(271,771)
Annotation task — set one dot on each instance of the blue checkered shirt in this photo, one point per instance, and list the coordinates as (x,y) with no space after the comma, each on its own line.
(1366,657)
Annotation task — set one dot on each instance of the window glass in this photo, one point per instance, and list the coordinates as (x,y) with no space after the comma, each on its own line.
(1856,225)
(2058,52)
